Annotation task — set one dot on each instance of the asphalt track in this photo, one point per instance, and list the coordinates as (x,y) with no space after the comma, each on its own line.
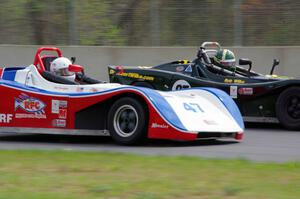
(262,144)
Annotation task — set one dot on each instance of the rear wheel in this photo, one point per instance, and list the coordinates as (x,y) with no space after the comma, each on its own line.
(127,121)
(288,108)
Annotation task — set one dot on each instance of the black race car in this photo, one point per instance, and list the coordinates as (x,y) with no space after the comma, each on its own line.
(261,98)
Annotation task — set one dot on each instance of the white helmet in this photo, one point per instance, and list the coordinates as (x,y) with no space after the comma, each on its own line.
(60,66)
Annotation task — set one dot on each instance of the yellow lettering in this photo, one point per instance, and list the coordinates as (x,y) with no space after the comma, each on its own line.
(228,80)
(239,81)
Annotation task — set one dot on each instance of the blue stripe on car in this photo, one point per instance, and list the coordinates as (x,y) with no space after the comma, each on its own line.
(156,99)
(228,103)
(161,104)
(153,96)
(9,73)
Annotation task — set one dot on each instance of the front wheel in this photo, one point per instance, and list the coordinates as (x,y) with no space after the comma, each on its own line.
(127,121)
(288,108)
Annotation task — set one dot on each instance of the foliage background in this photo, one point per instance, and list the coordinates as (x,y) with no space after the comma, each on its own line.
(150,22)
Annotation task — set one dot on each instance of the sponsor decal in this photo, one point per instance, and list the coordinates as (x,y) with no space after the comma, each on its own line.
(61,88)
(79,89)
(137,76)
(237,81)
(63,104)
(185,61)
(5,118)
(30,116)
(189,68)
(111,71)
(56,105)
(59,123)
(180,84)
(119,70)
(161,126)
(62,113)
(93,90)
(179,68)
(33,107)
(60,107)
(29,104)
(245,91)
(210,122)
(233,91)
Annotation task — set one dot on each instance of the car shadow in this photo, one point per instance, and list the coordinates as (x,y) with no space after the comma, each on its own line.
(174,143)
(104,141)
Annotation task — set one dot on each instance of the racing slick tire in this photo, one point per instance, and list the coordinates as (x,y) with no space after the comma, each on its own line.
(288,108)
(128,121)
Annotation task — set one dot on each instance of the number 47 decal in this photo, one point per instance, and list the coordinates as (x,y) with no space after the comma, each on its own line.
(193,107)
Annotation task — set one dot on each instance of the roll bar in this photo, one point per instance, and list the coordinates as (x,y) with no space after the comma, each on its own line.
(38,58)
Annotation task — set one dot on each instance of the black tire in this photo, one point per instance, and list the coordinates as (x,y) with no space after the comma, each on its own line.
(128,121)
(288,108)
(143,84)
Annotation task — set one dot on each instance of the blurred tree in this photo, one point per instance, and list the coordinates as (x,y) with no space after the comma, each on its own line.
(48,20)
(144,22)
(14,25)
(269,22)
(95,24)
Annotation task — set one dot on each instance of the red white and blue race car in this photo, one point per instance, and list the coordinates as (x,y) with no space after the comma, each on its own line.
(33,100)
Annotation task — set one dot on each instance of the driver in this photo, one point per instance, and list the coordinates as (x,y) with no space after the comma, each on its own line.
(225,58)
(60,67)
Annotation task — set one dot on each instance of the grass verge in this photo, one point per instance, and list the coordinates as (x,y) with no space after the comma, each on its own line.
(71,175)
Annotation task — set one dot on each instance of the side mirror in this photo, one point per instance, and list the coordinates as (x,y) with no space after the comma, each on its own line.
(246,62)
(75,68)
(73,59)
(275,63)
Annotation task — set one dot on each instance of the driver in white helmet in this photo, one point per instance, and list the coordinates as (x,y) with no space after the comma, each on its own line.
(60,67)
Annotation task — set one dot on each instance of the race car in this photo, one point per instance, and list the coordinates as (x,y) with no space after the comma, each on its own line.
(260,98)
(34,100)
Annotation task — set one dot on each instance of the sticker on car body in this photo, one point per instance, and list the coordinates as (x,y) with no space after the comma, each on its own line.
(233,91)
(5,118)
(245,91)
(180,84)
(29,104)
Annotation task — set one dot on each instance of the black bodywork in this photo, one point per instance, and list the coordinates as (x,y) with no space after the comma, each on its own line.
(261,98)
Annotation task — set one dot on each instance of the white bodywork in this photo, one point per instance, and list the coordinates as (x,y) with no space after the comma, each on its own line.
(31,77)
(198,110)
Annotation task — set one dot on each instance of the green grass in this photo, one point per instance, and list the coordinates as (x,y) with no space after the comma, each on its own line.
(71,175)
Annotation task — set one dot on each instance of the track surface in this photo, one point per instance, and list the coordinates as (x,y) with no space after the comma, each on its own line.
(260,144)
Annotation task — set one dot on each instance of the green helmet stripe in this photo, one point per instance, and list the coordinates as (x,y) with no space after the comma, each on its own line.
(224,54)
(229,55)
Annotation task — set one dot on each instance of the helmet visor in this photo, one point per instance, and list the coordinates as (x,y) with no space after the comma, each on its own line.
(64,72)
(228,63)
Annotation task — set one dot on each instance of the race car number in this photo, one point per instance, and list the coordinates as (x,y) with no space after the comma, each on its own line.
(193,107)
(180,84)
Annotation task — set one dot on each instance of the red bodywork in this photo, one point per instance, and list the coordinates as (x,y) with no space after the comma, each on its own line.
(31,108)
(12,115)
